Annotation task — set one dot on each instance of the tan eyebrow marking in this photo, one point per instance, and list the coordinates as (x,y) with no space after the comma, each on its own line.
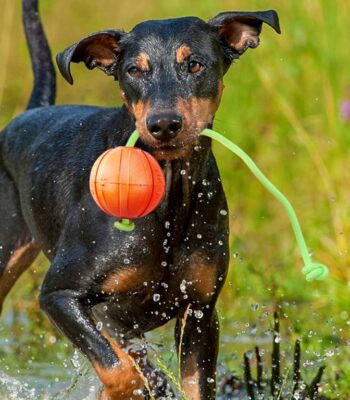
(142,62)
(182,53)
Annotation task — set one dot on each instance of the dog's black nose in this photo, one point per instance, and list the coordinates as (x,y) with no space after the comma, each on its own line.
(164,126)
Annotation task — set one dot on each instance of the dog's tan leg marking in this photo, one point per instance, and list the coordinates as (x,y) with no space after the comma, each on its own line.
(20,260)
(127,280)
(190,379)
(122,382)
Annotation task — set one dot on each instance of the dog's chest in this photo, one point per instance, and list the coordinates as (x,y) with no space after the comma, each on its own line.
(159,267)
(141,298)
(155,275)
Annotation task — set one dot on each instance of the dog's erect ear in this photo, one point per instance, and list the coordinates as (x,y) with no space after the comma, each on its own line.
(240,30)
(99,50)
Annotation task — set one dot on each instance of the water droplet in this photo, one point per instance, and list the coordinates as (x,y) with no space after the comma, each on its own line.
(99,326)
(198,314)
(156,297)
(223,212)
(210,380)
(52,339)
(183,172)
(183,286)
(329,353)
(126,261)
(75,360)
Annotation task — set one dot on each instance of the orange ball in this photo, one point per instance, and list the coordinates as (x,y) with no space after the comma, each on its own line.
(127,182)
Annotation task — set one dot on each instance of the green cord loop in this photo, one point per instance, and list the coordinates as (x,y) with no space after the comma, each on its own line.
(125,225)
(315,271)
(312,271)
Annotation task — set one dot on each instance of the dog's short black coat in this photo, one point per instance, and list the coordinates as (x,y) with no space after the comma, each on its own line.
(170,74)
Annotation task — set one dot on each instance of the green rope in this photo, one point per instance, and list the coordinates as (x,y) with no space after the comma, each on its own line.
(132,139)
(312,270)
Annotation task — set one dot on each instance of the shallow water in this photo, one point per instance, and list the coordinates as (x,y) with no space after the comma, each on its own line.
(79,382)
(41,382)
(68,376)
(76,380)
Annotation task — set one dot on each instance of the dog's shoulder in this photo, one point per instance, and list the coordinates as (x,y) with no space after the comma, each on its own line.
(66,123)
(60,117)
(68,132)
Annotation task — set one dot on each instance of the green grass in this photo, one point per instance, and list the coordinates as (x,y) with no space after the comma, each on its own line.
(281,104)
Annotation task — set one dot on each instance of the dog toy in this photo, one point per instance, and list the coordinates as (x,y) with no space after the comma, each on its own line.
(127,182)
(118,195)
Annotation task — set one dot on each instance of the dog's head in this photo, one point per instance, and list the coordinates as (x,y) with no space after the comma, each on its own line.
(170,71)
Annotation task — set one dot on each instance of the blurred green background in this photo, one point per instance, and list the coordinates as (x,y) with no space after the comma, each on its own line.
(282,105)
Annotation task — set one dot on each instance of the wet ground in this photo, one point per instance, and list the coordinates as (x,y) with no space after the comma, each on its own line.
(67,375)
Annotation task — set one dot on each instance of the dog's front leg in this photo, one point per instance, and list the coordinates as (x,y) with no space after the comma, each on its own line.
(67,297)
(197,337)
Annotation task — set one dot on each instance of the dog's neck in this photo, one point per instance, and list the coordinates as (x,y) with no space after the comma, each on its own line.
(181,174)
(182,177)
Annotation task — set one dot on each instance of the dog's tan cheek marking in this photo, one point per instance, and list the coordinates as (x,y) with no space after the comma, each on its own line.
(20,260)
(122,381)
(140,111)
(198,112)
(182,54)
(142,61)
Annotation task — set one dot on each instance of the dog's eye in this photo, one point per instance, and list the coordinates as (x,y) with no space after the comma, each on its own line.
(194,67)
(134,72)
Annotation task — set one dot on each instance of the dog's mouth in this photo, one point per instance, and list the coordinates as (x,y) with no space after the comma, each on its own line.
(169,151)
(173,133)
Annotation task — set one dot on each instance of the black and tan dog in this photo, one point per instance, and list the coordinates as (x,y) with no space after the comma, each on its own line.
(170,73)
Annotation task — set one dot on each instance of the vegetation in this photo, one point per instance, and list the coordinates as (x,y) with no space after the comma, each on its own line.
(282,105)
